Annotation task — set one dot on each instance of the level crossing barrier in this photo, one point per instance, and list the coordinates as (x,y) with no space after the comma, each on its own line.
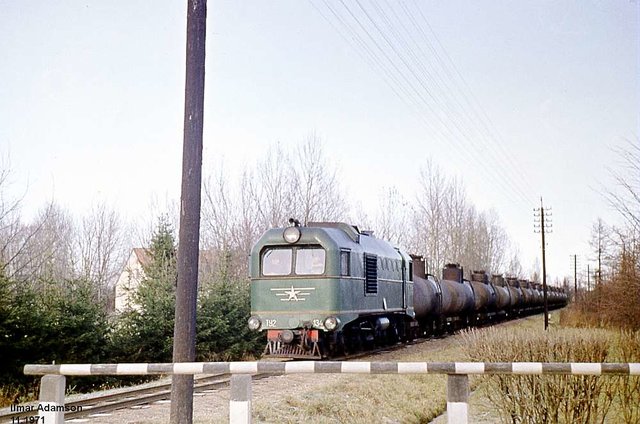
(53,381)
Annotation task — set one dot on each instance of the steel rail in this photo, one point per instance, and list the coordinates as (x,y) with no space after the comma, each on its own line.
(101,403)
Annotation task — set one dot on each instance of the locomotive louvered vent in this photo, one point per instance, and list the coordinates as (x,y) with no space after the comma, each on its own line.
(370,274)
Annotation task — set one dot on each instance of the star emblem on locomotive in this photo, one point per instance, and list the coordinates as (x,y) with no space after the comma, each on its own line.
(293,294)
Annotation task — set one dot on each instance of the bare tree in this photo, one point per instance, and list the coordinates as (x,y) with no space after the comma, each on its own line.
(100,249)
(497,242)
(599,244)
(218,213)
(429,217)
(459,218)
(247,228)
(27,248)
(360,218)
(448,228)
(231,224)
(9,214)
(53,244)
(317,187)
(626,199)
(248,224)
(476,252)
(393,217)
(14,234)
(273,198)
(514,268)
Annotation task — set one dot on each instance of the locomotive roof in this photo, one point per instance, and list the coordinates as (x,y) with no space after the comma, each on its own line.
(333,235)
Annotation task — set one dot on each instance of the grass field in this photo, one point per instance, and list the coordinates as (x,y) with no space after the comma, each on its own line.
(378,398)
(559,399)
(420,399)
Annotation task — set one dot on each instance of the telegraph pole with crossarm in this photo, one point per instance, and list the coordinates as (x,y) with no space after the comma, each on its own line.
(542,227)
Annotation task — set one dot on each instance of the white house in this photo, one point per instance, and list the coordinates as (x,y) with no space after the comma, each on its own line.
(133,273)
(130,277)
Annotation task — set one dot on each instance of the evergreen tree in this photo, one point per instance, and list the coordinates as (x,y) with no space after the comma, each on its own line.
(145,333)
(223,335)
(61,323)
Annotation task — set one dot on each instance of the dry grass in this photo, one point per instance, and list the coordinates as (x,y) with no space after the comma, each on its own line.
(377,398)
(559,399)
(368,399)
(10,395)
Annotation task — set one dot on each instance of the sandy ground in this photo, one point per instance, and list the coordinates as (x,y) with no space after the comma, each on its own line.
(213,406)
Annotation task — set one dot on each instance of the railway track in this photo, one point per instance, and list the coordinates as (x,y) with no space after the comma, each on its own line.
(100,403)
(86,405)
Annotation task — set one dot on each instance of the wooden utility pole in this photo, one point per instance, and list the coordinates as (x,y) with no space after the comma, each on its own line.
(575,277)
(543,228)
(184,335)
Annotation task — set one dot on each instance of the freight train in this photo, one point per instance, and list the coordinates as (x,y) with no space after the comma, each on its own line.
(328,289)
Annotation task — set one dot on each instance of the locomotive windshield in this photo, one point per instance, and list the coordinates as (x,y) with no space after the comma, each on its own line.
(276,262)
(310,261)
(279,262)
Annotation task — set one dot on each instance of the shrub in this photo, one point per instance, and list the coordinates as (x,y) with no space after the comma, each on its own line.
(223,334)
(562,398)
(60,322)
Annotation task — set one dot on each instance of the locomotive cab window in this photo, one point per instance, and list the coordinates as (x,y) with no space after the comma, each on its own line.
(310,261)
(345,263)
(276,262)
(279,262)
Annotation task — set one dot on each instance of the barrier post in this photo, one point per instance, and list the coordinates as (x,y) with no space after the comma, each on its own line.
(52,398)
(240,400)
(457,398)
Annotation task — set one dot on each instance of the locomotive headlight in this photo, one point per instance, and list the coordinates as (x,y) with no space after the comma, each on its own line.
(331,323)
(254,323)
(291,234)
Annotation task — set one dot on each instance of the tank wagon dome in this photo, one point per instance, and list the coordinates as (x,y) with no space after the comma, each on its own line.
(498,280)
(453,272)
(457,293)
(485,294)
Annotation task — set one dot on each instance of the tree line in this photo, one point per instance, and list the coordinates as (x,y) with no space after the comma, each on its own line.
(63,321)
(436,220)
(612,298)
(57,273)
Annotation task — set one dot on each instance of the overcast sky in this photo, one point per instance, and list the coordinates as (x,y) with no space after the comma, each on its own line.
(519,99)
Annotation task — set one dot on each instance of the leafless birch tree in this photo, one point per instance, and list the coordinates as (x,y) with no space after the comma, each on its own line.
(100,249)
(317,188)
(625,197)
(393,218)
(429,217)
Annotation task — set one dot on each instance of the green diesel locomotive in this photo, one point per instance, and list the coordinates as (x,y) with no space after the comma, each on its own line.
(325,288)
(328,289)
